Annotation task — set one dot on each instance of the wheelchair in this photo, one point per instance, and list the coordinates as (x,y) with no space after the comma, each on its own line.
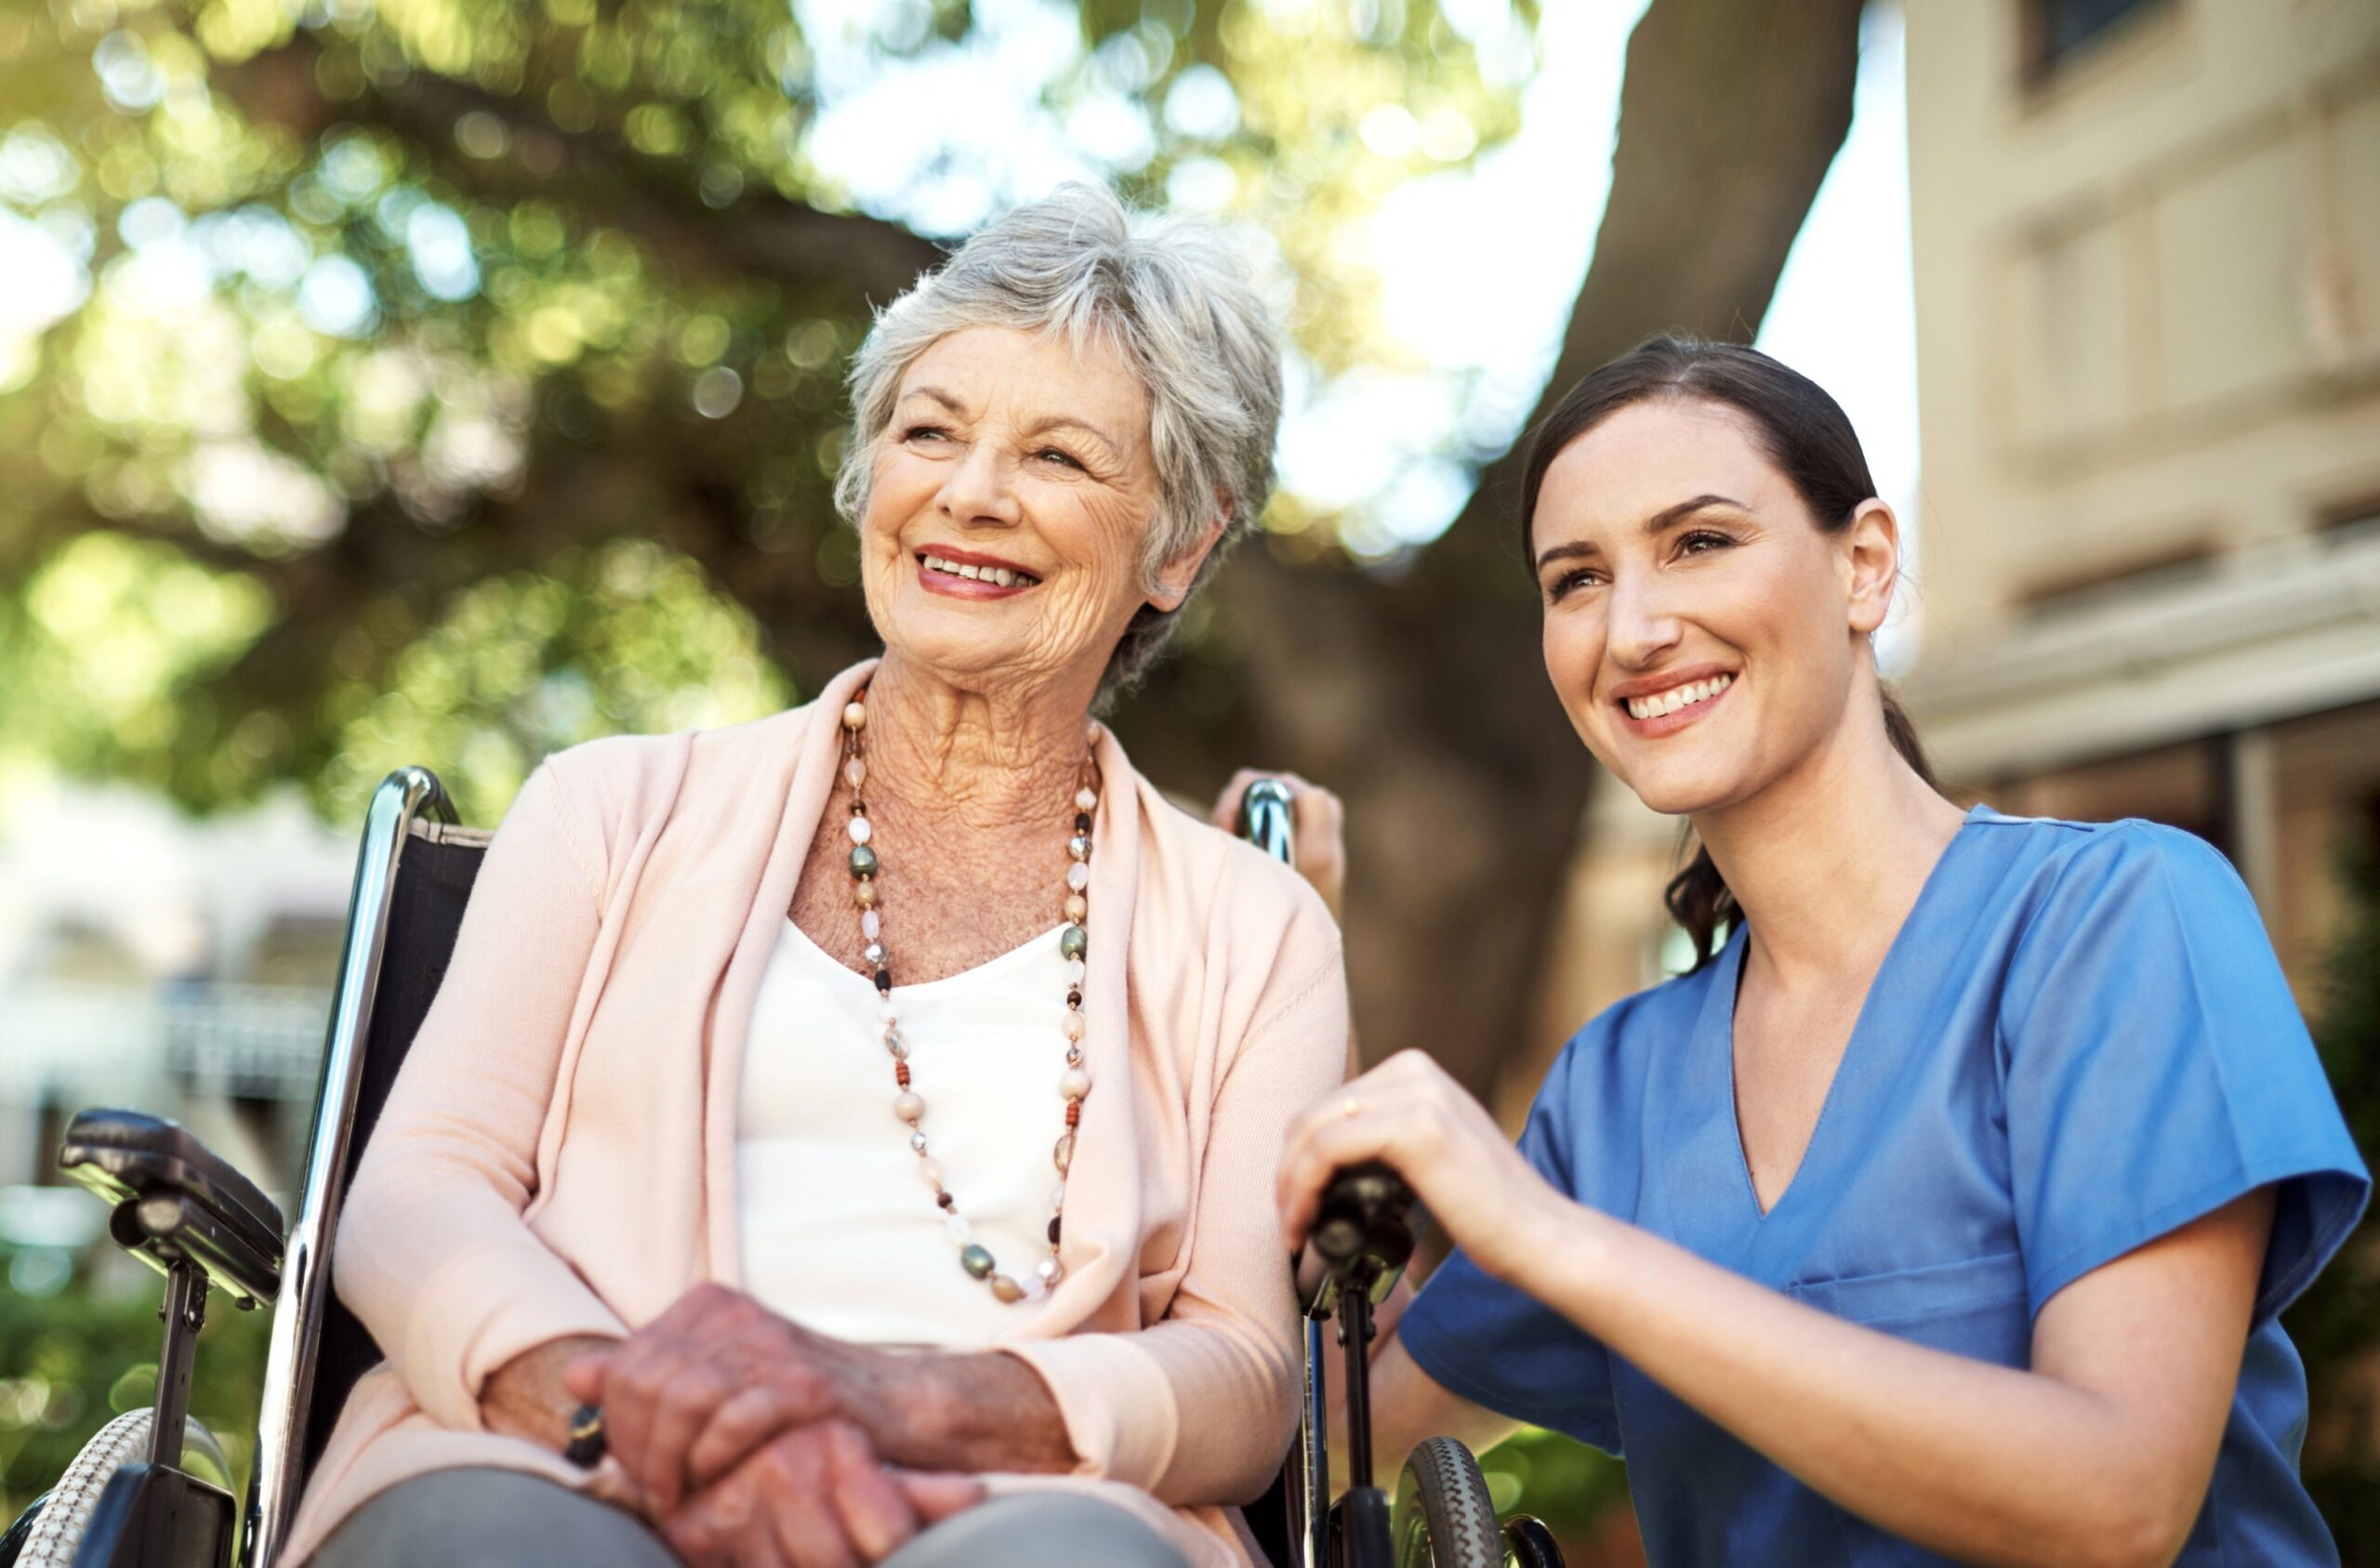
(151,1488)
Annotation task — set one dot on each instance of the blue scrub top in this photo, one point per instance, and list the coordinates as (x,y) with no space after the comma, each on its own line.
(2079,1042)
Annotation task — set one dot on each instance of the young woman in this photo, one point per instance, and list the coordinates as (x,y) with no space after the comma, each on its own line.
(1945,1209)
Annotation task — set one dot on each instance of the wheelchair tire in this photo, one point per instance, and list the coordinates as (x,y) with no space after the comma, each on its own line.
(1444,1517)
(12,1545)
(58,1529)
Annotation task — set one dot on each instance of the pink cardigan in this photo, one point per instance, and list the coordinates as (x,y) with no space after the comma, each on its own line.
(558,1155)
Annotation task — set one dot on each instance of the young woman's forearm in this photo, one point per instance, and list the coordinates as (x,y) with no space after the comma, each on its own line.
(1980,1462)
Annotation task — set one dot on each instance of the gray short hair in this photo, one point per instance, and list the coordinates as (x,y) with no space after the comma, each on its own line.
(1173,295)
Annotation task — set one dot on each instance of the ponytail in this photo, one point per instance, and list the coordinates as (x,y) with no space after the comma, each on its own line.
(1698,897)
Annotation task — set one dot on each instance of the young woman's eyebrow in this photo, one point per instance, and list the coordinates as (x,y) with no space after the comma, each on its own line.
(1669,517)
(1575,550)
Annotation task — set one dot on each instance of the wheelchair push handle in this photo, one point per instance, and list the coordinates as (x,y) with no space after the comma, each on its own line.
(1364,1233)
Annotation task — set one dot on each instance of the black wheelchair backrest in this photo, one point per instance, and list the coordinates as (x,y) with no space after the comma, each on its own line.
(433,882)
(413,875)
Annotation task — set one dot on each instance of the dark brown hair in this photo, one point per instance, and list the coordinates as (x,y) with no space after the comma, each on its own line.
(1801,430)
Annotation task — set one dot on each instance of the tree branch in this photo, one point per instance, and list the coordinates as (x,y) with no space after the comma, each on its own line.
(760,233)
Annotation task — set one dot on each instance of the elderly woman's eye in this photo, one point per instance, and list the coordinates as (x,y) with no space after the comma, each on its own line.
(924,433)
(1058,455)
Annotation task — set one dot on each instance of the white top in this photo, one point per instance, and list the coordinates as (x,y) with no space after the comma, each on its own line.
(840,1230)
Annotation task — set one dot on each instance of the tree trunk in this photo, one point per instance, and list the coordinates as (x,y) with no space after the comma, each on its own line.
(1423,700)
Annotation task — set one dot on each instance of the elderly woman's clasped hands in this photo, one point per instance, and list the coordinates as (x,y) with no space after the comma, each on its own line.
(745,1438)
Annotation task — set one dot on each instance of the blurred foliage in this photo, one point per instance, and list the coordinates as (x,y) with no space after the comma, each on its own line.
(1560,1480)
(2336,1322)
(399,380)
(73,1358)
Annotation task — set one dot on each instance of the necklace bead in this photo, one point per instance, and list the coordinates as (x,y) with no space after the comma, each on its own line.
(908,1106)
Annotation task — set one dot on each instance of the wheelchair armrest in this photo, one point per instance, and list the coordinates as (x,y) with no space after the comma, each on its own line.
(179,1183)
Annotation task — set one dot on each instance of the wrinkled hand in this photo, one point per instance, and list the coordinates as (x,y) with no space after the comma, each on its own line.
(1320,823)
(812,1498)
(1409,1114)
(699,1389)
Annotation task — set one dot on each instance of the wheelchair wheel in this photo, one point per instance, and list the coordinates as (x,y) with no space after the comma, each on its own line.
(58,1529)
(1528,1544)
(51,1537)
(12,1545)
(1444,1517)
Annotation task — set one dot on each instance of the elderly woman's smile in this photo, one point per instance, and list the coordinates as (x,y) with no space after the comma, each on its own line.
(965,575)
(1009,510)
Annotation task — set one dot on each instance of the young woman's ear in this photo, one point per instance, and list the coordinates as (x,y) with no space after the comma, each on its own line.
(1871,555)
(1175,577)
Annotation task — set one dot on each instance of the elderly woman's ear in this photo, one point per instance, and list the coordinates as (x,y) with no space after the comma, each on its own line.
(1178,577)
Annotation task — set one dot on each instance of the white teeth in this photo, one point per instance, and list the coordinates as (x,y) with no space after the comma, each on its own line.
(1676,697)
(1006,577)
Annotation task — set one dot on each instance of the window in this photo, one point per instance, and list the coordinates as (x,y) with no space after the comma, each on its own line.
(2055,29)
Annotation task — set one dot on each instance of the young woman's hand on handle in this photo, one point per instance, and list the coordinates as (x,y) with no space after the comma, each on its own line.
(1410,1114)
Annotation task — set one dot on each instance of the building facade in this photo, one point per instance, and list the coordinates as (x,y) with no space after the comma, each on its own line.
(2147,249)
(2146,240)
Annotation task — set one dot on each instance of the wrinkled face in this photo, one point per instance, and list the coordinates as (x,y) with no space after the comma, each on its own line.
(1705,634)
(1009,508)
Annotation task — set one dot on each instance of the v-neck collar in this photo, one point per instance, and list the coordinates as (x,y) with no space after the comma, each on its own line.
(1716,1032)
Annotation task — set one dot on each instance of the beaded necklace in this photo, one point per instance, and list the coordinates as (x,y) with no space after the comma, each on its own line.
(1074,942)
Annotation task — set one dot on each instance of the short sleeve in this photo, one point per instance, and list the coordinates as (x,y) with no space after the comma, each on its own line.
(2157,1067)
(1499,1347)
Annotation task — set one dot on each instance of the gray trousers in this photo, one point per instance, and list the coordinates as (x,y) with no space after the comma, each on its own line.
(506,1519)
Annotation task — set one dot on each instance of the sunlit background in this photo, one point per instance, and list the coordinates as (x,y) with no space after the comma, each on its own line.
(448,381)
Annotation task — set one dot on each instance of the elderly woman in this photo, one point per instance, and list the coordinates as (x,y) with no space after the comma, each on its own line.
(869,1109)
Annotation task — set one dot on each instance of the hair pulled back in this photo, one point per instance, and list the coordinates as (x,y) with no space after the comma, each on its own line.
(1809,438)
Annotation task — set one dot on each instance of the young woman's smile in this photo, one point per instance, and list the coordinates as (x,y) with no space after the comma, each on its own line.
(1663,705)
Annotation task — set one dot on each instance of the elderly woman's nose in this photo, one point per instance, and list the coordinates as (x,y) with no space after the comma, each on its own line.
(983,487)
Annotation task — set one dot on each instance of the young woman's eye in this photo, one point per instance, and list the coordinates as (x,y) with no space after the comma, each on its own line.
(1569,583)
(1701,541)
